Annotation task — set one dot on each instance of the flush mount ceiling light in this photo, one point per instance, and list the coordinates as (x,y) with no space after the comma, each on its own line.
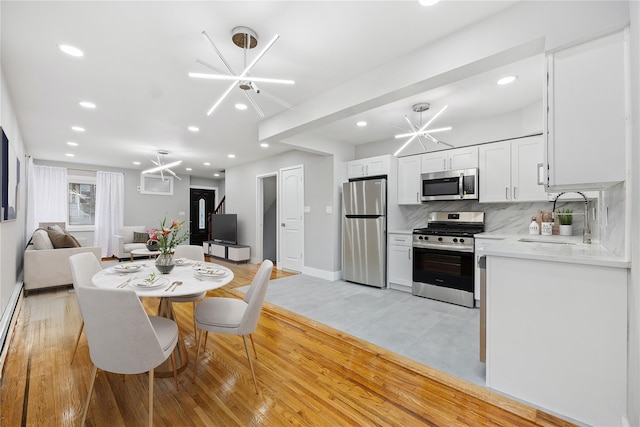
(361,123)
(421,131)
(162,166)
(77,128)
(194,128)
(88,105)
(71,50)
(428,2)
(246,39)
(506,80)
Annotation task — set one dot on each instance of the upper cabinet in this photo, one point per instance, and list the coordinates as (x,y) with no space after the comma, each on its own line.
(511,171)
(372,166)
(409,180)
(457,158)
(587,113)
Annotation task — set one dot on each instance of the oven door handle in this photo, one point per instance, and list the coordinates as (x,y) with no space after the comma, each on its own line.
(460,185)
(445,247)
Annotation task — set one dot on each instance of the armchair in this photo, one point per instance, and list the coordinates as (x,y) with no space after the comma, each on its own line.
(123,242)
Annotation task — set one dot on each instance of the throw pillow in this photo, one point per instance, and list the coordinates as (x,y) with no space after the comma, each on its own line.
(41,240)
(62,240)
(140,237)
(56,227)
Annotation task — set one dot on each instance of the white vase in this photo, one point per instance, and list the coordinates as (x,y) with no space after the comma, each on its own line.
(566,230)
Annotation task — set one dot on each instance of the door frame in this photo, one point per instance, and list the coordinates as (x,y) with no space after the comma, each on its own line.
(204,187)
(260,215)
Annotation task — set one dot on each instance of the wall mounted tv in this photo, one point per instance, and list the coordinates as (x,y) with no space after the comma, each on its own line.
(224,228)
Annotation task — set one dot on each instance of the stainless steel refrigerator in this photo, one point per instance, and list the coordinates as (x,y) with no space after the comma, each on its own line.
(364,232)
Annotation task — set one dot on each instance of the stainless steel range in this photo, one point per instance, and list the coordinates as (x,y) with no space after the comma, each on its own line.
(443,257)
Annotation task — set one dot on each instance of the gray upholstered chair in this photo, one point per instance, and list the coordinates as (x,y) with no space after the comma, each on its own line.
(122,338)
(195,253)
(83,267)
(234,316)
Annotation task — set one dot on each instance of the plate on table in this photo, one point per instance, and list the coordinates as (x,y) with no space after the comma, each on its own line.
(128,268)
(210,272)
(145,284)
(183,261)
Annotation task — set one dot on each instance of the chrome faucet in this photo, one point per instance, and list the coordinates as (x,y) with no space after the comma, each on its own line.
(586,231)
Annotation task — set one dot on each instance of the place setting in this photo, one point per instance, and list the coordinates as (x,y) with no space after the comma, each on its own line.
(209,273)
(122,269)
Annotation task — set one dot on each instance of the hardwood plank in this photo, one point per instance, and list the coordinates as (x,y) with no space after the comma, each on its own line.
(308,374)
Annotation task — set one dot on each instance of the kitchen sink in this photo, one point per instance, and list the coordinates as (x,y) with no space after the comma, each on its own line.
(556,242)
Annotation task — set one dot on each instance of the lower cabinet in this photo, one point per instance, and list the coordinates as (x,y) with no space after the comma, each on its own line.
(237,253)
(400,262)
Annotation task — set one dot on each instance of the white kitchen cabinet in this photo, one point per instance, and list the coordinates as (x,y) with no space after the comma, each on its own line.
(557,336)
(479,243)
(372,166)
(510,171)
(587,116)
(454,159)
(400,262)
(409,180)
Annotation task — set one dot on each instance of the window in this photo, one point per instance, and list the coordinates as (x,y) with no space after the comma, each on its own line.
(82,201)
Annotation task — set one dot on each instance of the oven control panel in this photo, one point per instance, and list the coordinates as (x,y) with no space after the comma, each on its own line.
(444,242)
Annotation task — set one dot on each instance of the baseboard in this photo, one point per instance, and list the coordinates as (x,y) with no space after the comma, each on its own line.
(8,322)
(322,274)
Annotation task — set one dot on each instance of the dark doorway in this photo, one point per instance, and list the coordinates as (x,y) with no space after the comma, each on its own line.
(201,205)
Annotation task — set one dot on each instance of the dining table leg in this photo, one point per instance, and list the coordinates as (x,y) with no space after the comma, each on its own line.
(165,309)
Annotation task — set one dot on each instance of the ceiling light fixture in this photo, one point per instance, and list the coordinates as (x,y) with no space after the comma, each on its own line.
(264,145)
(71,50)
(506,80)
(162,166)
(136,163)
(88,105)
(207,164)
(77,128)
(245,38)
(241,107)
(69,154)
(422,131)
(216,174)
(193,128)
(231,156)
(428,2)
(73,144)
(361,123)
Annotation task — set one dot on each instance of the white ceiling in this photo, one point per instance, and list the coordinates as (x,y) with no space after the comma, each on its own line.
(138,54)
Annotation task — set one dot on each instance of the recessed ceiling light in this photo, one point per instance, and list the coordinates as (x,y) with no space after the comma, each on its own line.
(216,174)
(73,144)
(71,50)
(69,154)
(193,128)
(231,156)
(136,163)
(188,169)
(428,2)
(506,80)
(77,128)
(241,106)
(361,123)
(88,105)
(264,145)
(207,164)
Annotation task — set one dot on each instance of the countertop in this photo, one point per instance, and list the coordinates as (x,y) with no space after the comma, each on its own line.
(568,249)
(400,232)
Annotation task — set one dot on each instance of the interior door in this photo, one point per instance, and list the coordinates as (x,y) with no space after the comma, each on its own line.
(201,205)
(292,218)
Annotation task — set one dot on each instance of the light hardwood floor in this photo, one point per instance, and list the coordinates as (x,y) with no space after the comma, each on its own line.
(308,375)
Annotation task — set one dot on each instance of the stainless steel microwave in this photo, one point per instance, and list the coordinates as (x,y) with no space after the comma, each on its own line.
(459,184)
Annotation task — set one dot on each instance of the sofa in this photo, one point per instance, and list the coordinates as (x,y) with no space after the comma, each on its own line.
(124,242)
(45,266)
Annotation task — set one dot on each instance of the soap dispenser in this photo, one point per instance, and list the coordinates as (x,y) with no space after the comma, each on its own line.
(533,227)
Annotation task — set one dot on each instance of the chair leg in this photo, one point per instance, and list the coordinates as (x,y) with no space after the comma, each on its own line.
(254,346)
(193,305)
(151,372)
(175,372)
(75,348)
(253,374)
(94,372)
(195,363)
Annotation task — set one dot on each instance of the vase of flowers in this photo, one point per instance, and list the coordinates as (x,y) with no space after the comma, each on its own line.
(167,237)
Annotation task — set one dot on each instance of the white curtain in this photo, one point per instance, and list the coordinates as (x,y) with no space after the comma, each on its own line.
(46,195)
(109,209)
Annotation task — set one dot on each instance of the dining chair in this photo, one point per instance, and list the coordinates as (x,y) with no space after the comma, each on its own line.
(234,316)
(123,339)
(194,253)
(83,267)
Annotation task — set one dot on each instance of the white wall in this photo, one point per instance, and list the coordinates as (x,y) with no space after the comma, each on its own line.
(12,240)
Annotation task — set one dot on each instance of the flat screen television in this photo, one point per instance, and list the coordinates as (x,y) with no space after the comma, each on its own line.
(224,228)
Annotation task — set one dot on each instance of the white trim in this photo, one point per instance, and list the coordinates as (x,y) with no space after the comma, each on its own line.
(259,252)
(7,322)
(322,274)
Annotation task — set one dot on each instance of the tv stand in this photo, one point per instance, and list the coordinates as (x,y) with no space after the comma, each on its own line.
(236,253)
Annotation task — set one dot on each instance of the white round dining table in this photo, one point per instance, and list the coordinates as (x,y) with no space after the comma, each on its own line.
(181,281)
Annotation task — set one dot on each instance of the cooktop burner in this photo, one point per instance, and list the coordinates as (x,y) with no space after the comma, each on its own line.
(455,224)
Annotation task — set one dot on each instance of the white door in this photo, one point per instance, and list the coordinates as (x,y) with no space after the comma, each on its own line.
(292,218)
